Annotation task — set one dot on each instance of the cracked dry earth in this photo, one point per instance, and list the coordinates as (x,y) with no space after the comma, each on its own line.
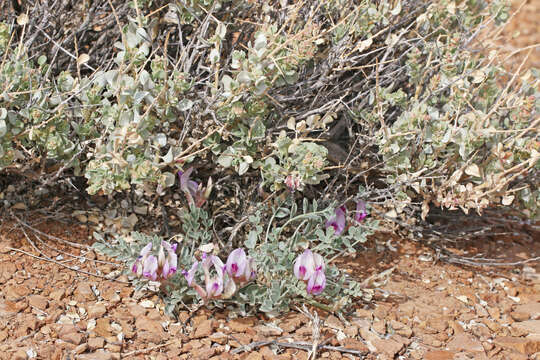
(423,310)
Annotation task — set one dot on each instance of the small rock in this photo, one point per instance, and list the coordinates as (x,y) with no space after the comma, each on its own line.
(84,292)
(379,326)
(98,355)
(333,322)
(96,343)
(240,325)
(80,349)
(96,311)
(354,344)
(57,295)
(531,309)
(219,338)
(19,355)
(519,316)
(351,331)
(266,330)
(519,344)
(204,329)
(529,326)
(439,355)
(103,327)
(73,337)
(465,342)
(38,301)
(388,346)
(16,292)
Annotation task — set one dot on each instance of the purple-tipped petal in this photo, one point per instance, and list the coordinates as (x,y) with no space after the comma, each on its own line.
(304,265)
(214,286)
(135,265)
(361,212)
(218,264)
(338,221)
(229,288)
(316,283)
(236,263)
(146,250)
(318,261)
(190,275)
(173,263)
(150,267)
(161,257)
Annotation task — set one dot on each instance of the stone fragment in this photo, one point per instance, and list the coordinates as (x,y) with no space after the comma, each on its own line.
(266,330)
(389,347)
(103,327)
(57,294)
(84,292)
(204,329)
(72,337)
(529,326)
(522,345)
(19,355)
(439,355)
(531,309)
(96,343)
(80,349)
(96,311)
(465,342)
(98,355)
(240,325)
(38,301)
(16,292)
(354,344)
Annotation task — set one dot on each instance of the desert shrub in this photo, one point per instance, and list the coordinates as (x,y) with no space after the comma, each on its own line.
(279,103)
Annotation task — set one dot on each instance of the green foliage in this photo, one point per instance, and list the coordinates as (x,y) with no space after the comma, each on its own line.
(274,248)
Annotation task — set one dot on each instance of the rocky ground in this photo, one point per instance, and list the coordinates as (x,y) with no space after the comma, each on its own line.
(421,308)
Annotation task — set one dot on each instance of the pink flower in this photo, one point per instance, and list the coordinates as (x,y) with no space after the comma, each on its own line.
(150,267)
(316,283)
(361,212)
(236,263)
(190,274)
(214,286)
(338,221)
(304,266)
(194,191)
(137,265)
(293,182)
(309,267)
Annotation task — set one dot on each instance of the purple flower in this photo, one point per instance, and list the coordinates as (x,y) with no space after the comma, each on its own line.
(137,265)
(316,283)
(194,191)
(293,182)
(309,267)
(214,286)
(361,212)
(150,267)
(169,263)
(229,288)
(338,220)
(251,270)
(190,275)
(236,263)
(304,266)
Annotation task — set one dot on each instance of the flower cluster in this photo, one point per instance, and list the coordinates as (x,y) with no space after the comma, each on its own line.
(225,279)
(339,220)
(195,193)
(309,267)
(156,268)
